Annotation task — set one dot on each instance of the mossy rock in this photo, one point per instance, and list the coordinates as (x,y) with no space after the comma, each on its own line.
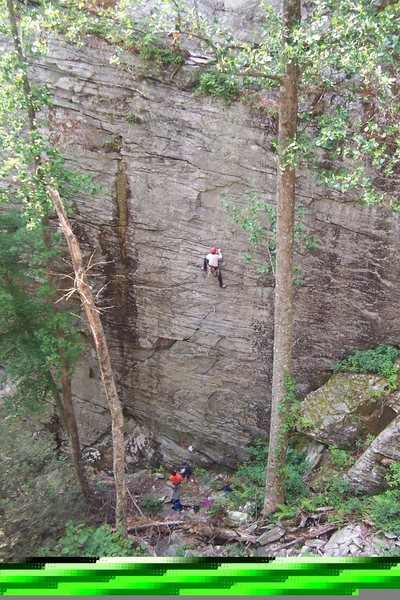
(345,409)
(370,471)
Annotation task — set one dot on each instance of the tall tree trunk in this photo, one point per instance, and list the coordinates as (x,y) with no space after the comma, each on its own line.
(88,303)
(72,430)
(283,319)
(65,407)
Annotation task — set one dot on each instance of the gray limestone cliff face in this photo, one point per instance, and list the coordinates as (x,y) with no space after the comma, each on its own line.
(193,361)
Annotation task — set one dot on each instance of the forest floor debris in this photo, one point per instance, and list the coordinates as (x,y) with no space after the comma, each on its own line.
(199,530)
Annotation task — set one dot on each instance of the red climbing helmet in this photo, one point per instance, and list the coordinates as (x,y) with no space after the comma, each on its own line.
(213,250)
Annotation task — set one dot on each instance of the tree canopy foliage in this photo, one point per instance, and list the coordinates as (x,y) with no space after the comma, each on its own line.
(30,325)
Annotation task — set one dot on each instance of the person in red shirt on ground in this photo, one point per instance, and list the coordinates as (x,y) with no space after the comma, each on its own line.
(176,481)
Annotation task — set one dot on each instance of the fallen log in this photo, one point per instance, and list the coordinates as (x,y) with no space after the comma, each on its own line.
(135,504)
(315,532)
(229,535)
(220,534)
(310,535)
(143,526)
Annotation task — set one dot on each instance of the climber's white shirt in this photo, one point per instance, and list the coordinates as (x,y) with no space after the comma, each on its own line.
(213,259)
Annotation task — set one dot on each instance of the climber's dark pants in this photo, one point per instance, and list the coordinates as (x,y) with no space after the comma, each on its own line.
(215,270)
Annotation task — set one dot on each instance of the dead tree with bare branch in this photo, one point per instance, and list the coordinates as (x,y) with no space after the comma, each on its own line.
(81,284)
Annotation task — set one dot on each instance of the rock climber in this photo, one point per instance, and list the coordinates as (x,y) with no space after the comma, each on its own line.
(176,481)
(211,263)
(185,470)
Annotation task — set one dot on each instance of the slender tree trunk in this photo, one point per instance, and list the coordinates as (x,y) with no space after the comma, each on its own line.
(88,303)
(283,320)
(64,406)
(57,398)
(72,430)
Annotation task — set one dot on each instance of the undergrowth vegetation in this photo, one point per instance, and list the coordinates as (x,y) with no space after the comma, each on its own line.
(380,360)
(38,493)
(249,479)
(151,504)
(81,540)
(248,482)
(308,491)
(218,85)
(150,49)
(385,507)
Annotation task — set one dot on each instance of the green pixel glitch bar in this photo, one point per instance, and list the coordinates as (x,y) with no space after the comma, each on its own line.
(200,576)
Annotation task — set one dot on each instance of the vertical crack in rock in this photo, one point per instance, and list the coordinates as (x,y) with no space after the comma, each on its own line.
(118,246)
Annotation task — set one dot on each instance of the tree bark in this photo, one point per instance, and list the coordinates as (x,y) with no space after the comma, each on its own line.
(92,314)
(143,526)
(72,430)
(283,318)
